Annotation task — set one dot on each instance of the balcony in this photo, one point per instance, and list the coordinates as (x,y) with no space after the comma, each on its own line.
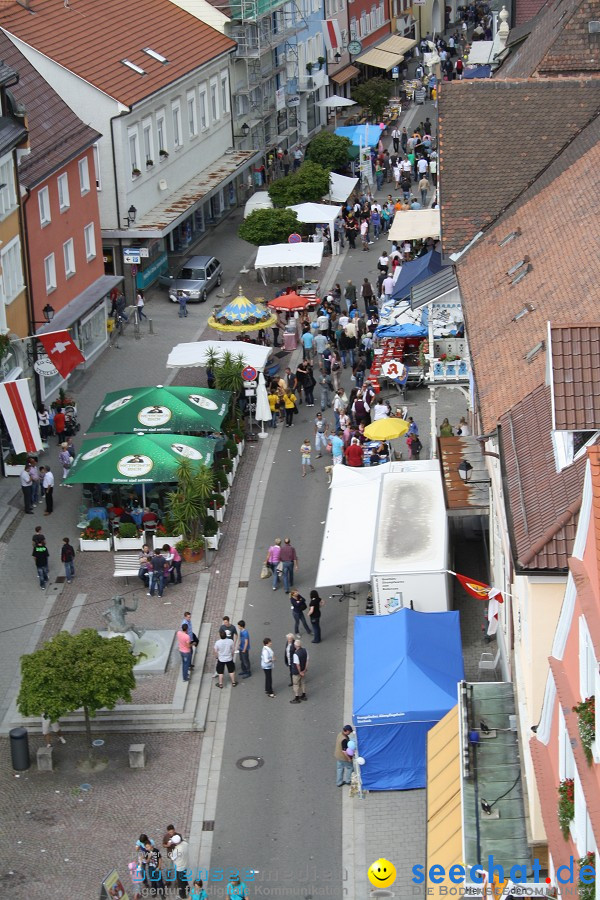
(252,10)
(317,79)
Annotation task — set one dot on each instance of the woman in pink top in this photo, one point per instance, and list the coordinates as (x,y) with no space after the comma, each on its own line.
(184,642)
(272,561)
(174,559)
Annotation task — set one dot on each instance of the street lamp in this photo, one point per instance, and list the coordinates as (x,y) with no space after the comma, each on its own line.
(337,56)
(48,312)
(245,130)
(130,217)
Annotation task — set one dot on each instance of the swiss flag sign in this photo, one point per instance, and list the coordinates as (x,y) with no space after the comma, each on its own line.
(62,350)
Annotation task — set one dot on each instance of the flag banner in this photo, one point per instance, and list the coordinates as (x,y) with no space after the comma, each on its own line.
(476,589)
(332,35)
(62,350)
(492,614)
(20,417)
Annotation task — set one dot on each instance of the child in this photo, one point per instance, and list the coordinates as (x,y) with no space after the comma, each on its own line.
(67,556)
(198,892)
(306,450)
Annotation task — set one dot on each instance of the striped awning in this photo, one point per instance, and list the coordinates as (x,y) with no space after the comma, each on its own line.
(444,805)
(345,74)
(380,59)
(397,44)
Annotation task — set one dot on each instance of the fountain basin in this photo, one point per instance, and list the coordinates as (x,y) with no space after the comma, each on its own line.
(154,645)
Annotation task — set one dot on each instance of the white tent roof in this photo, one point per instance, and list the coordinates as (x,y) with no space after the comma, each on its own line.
(412,224)
(335,102)
(316,213)
(259,200)
(340,187)
(194,354)
(309,254)
(481,52)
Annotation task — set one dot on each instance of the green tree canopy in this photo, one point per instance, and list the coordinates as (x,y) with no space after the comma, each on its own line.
(373,95)
(76,670)
(308,185)
(329,150)
(269,226)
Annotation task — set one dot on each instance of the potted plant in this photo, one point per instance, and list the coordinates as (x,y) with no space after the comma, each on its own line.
(14,463)
(135,173)
(309,67)
(212,535)
(166,533)
(566,805)
(63,400)
(586,882)
(128,537)
(95,536)
(149,163)
(216,507)
(586,720)
(186,507)
(322,61)
(220,480)
(4,345)
(163,154)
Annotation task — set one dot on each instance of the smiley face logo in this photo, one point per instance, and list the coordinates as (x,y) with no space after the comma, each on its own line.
(381,873)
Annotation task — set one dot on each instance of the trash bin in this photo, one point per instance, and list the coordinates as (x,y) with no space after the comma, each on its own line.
(290,340)
(19,749)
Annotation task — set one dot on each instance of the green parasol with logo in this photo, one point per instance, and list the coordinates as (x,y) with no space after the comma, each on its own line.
(157,410)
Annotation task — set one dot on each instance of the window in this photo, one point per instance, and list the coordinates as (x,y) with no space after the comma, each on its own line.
(84,175)
(587,661)
(134,155)
(161,133)
(96,153)
(176,114)
(148,142)
(69,255)
(8,192)
(44,205)
(50,273)
(224,92)
(214,100)
(63,191)
(566,760)
(12,269)
(203,110)
(192,114)
(90,242)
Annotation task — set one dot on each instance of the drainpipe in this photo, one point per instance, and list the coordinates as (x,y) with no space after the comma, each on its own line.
(114,162)
(30,306)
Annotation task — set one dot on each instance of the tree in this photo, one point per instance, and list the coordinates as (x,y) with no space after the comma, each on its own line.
(329,150)
(309,184)
(269,226)
(73,671)
(187,504)
(373,95)
(227,370)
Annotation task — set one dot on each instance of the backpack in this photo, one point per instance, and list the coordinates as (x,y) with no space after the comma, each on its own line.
(68,553)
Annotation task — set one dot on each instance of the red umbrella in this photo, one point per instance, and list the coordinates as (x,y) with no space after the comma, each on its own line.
(291,302)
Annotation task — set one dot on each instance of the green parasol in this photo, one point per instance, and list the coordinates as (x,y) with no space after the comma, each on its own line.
(161,410)
(138,458)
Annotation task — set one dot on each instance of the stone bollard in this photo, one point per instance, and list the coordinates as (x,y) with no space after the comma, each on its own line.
(44,759)
(137,756)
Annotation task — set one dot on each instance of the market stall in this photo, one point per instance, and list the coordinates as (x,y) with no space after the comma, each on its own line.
(318,214)
(194,354)
(289,257)
(415,224)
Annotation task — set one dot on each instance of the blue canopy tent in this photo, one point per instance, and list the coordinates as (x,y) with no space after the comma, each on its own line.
(415,271)
(367,135)
(406,670)
(477,72)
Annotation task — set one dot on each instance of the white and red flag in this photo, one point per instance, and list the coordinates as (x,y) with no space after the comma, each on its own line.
(19,416)
(62,350)
(332,36)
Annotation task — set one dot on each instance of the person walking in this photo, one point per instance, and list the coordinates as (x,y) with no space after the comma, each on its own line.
(424,187)
(314,614)
(396,139)
(27,488)
(40,554)
(223,650)
(49,728)
(236,889)
(140,303)
(48,488)
(298,604)
(182,300)
(67,558)
(244,650)
(288,654)
(305,452)
(289,561)
(321,429)
(60,421)
(343,762)
(272,561)
(267,660)
(187,620)
(289,403)
(65,459)
(157,573)
(184,642)
(299,669)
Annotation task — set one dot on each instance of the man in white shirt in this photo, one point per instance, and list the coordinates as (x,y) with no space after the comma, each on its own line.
(343,320)
(223,650)
(48,488)
(396,139)
(422,167)
(27,488)
(178,852)
(388,286)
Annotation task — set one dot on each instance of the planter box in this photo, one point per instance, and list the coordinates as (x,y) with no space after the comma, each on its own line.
(230,478)
(12,470)
(133,543)
(240,447)
(226,494)
(213,542)
(236,462)
(94,545)
(159,540)
(219,514)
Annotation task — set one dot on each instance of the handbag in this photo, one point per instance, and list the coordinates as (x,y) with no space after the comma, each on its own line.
(265,571)
(295,410)
(280,568)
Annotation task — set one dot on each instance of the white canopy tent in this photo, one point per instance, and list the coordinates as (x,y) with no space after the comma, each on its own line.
(318,214)
(277,256)
(194,354)
(259,200)
(415,224)
(340,187)
(481,53)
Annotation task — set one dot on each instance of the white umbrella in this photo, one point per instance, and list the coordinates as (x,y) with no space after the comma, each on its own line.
(335,103)
(263,410)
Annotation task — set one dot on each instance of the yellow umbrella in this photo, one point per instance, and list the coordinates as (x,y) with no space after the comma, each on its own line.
(386,429)
(242,314)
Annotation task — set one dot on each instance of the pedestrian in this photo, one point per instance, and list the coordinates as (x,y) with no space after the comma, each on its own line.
(446,429)
(182,300)
(198,892)
(314,614)
(174,559)
(289,561)
(244,650)
(414,445)
(396,139)
(364,234)
(424,187)
(34,474)
(299,669)
(223,651)
(321,429)
(236,889)
(305,453)
(184,642)
(230,631)
(298,606)
(67,557)
(44,422)
(48,488)
(354,454)
(343,764)
(463,428)
(157,573)
(152,864)
(140,303)
(27,488)
(65,459)
(337,447)
(38,537)
(272,561)
(289,403)
(40,555)
(179,855)
(288,654)
(187,620)
(60,420)
(267,660)
(49,728)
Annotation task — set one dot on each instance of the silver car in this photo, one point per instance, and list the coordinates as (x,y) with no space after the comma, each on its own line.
(197,276)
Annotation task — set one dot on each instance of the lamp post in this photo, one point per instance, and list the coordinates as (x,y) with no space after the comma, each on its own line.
(465,470)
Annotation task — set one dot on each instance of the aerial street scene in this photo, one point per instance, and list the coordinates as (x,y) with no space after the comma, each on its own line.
(299,449)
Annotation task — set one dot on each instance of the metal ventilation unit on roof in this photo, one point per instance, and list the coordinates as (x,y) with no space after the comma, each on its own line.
(130,65)
(522,262)
(510,237)
(157,56)
(594,26)
(529,307)
(521,275)
(534,351)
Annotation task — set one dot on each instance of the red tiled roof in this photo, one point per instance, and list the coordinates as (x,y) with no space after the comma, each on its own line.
(526,10)
(90,38)
(555,218)
(575,362)
(543,504)
(559,43)
(496,138)
(56,134)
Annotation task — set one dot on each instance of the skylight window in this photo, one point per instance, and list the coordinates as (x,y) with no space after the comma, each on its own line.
(518,265)
(521,275)
(535,350)
(510,237)
(157,56)
(529,307)
(138,69)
